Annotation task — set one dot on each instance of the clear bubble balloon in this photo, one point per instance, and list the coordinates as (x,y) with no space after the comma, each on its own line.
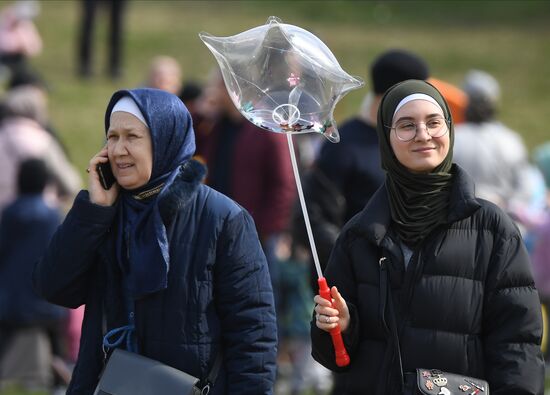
(282,78)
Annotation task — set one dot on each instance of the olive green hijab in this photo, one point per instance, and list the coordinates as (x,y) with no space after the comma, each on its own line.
(418,202)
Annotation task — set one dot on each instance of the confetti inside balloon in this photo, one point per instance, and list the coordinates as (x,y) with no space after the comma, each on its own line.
(282,78)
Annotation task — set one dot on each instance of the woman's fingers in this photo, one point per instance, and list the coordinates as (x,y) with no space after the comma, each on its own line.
(326,316)
(330,314)
(330,311)
(339,301)
(100,157)
(326,319)
(326,323)
(318,299)
(342,306)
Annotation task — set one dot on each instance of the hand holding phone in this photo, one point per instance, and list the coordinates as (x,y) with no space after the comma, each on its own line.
(103,187)
(106,177)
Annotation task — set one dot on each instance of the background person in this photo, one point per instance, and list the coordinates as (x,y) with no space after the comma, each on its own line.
(493,154)
(19,37)
(456,98)
(164,73)
(31,329)
(459,273)
(116,9)
(247,164)
(23,136)
(174,263)
(190,94)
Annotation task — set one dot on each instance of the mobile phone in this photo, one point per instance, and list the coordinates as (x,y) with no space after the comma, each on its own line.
(106,177)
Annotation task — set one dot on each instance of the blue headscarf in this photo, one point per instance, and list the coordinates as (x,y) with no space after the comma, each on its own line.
(142,242)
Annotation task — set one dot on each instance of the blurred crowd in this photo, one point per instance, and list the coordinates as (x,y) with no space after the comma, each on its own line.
(39,341)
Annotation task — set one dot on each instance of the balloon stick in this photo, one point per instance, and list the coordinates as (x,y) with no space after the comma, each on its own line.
(342,357)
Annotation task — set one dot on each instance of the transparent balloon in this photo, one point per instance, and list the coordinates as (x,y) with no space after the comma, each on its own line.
(282,78)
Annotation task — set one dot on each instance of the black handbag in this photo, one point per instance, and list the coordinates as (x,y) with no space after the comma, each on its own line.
(128,373)
(427,381)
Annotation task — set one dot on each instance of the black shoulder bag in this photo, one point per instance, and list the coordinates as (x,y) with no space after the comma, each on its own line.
(128,373)
(427,381)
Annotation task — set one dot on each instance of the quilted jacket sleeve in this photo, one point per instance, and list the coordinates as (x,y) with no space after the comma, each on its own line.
(62,276)
(512,322)
(246,309)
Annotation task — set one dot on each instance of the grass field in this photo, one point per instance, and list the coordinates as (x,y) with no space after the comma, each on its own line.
(510,39)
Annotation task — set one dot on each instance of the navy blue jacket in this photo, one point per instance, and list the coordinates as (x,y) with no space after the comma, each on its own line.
(219,295)
(26,228)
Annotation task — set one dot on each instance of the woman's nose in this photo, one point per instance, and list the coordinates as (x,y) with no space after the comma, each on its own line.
(119,148)
(422,132)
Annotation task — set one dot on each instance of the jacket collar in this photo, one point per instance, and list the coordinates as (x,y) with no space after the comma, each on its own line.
(463,200)
(183,189)
(374,220)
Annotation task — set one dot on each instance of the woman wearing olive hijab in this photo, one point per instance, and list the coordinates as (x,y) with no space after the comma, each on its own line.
(166,266)
(462,292)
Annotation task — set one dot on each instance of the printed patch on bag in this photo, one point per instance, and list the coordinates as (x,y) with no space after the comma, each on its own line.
(437,382)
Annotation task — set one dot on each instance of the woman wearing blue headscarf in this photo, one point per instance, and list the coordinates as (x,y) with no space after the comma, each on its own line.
(166,266)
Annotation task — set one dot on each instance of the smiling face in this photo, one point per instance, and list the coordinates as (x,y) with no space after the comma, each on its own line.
(423,153)
(130,150)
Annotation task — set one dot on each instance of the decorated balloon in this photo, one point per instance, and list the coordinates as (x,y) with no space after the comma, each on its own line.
(282,78)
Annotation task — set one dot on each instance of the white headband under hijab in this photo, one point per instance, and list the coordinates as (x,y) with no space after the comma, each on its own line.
(416,96)
(127,104)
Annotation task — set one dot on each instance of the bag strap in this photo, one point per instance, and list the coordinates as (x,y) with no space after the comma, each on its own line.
(387,300)
(205,385)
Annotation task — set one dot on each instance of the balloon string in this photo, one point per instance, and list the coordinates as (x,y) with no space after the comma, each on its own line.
(303,205)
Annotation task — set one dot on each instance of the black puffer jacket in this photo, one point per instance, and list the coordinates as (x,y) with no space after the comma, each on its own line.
(465,304)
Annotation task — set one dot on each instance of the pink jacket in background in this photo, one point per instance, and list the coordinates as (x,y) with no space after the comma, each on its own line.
(74,328)
(23,138)
(18,35)
(541,260)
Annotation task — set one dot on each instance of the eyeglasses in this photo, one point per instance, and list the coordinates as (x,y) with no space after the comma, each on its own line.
(406,130)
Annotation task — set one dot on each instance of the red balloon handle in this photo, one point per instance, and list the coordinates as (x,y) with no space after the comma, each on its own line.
(342,357)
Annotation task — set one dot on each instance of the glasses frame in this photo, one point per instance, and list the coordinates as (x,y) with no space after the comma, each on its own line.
(447,123)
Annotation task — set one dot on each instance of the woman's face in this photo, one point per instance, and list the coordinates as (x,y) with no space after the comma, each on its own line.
(423,153)
(130,150)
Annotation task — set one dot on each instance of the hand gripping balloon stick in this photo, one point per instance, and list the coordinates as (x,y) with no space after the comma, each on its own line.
(342,357)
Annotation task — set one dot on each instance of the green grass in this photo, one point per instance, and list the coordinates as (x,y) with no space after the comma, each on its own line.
(510,39)
(14,390)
